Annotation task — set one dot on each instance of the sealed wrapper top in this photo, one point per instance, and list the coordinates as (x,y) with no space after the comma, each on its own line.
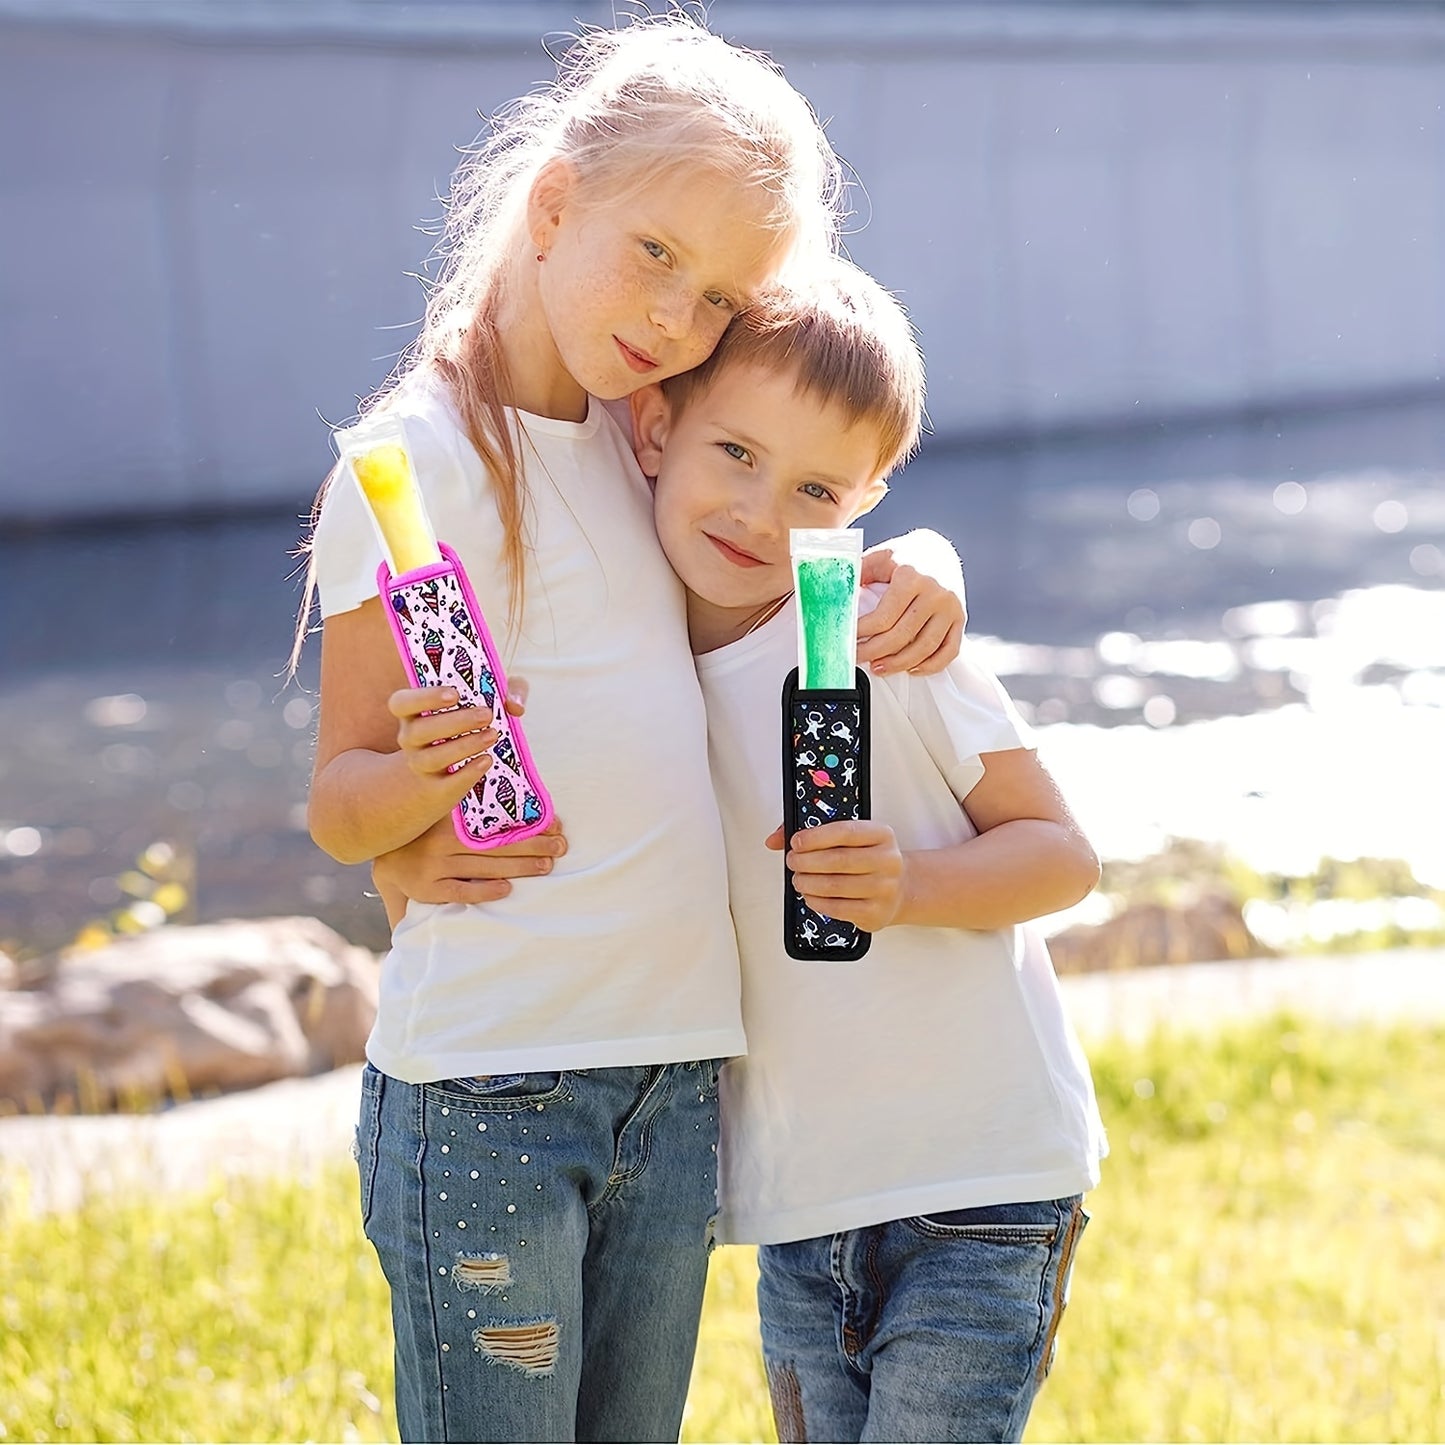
(826,566)
(376,454)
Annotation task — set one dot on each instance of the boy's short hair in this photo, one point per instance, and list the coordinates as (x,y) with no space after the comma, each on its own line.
(847,340)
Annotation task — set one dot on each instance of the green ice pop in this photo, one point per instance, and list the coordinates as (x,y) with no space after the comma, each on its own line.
(827,618)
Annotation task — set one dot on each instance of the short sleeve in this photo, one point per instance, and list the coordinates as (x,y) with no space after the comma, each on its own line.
(344,548)
(960,713)
(963,711)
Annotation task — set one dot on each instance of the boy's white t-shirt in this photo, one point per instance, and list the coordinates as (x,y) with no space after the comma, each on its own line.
(939,1071)
(624,954)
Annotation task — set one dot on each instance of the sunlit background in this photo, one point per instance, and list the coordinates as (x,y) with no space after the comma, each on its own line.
(1179,272)
(1177,269)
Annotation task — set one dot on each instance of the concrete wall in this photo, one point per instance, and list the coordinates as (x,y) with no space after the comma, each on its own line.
(207,210)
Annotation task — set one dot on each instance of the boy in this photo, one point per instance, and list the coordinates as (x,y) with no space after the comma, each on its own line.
(910,1136)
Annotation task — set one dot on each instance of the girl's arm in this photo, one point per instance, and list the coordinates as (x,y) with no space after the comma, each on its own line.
(380,776)
(1029,858)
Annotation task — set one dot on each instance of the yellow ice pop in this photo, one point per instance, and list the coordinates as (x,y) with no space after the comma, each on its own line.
(387,484)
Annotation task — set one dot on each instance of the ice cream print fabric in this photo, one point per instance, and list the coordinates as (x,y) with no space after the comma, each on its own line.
(442,642)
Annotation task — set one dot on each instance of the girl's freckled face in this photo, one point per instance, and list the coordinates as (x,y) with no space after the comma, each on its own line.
(640,289)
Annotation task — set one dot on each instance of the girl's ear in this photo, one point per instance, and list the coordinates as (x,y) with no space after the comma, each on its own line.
(551,193)
(651,418)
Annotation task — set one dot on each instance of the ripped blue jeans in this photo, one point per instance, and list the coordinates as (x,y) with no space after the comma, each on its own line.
(546,1238)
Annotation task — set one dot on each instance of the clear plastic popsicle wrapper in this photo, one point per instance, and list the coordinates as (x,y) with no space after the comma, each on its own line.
(383,472)
(826,567)
(440,632)
(825,725)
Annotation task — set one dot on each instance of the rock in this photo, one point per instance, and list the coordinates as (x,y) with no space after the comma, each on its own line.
(1205,931)
(186,1011)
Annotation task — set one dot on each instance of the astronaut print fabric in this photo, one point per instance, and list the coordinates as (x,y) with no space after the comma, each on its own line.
(444,643)
(825,780)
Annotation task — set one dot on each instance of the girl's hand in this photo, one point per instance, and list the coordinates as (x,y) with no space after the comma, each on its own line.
(436,868)
(444,745)
(852,870)
(918,623)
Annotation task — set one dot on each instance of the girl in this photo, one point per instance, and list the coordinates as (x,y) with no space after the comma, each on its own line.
(538,1122)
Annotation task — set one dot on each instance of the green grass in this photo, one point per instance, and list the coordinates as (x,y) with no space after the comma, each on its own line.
(1264,1264)
(1265,1257)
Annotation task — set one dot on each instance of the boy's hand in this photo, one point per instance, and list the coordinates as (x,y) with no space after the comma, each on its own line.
(917,625)
(436,868)
(851,870)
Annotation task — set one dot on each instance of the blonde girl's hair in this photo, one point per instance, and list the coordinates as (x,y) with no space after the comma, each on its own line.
(846,341)
(628,105)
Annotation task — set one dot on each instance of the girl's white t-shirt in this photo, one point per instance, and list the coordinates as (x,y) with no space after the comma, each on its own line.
(939,1071)
(624,954)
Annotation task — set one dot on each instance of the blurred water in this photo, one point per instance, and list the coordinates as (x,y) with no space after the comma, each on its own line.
(1133,589)
(1162,529)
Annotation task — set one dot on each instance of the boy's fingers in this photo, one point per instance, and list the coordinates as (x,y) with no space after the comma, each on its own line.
(848,833)
(547,844)
(775,840)
(438,884)
(462,890)
(479,867)
(453,856)
(835,887)
(426,887)
(837,863)
(859,849)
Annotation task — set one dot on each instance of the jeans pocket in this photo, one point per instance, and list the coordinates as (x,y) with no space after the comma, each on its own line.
(503,1089)
(707,1071)
(368,1131)
(1036,1224)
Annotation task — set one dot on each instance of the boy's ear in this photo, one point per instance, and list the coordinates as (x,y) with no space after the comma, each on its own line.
(651,418)
(548,198)
(875,494)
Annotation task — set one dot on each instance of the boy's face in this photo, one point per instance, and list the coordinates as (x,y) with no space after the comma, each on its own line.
(746,460)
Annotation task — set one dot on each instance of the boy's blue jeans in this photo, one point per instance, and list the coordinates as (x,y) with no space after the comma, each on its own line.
(933,1328)
(546,1239)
